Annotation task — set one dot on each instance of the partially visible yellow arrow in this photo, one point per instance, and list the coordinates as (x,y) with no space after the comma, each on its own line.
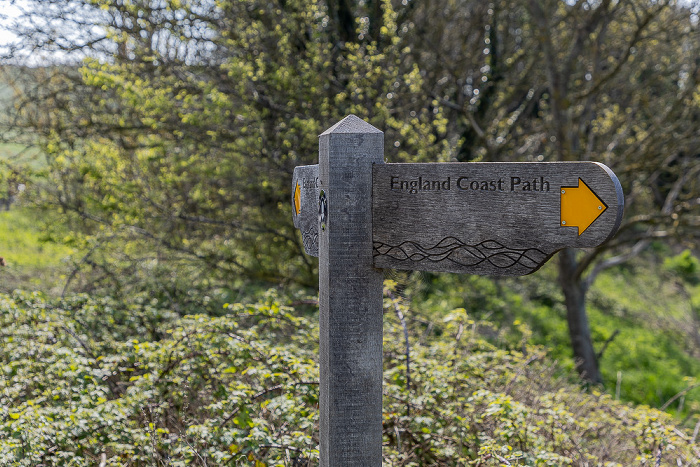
(580,206)
(297,199)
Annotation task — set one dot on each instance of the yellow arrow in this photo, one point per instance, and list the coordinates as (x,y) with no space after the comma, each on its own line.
(580,206)
(297,199)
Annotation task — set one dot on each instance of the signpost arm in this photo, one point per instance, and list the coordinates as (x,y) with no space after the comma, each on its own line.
(350,298)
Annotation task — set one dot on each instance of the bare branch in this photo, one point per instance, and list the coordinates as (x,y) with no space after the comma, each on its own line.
(615,261)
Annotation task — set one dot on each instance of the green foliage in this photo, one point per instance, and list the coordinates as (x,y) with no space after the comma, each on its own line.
(171,142)
(685,265)
(87,381)
(84,378)
(173,157)
(643,323)
(31,261)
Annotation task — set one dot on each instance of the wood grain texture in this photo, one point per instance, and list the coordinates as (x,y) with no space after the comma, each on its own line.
(350,299)
(486,218)
(305,179)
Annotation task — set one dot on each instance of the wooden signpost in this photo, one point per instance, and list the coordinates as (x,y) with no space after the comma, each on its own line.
(359,215)
(305,202)
(490,218)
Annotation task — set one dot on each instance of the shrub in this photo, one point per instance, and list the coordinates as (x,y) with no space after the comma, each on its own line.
(89,381)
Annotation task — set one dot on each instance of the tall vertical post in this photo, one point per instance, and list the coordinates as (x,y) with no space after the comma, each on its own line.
(350,298)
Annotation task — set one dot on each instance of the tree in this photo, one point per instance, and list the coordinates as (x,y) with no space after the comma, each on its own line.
(171,142)
(641,133)
(548,80)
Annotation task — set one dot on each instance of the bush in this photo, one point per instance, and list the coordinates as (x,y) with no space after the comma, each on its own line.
(88,381)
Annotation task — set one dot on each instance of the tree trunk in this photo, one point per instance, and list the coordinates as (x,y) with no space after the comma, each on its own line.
(341,14)
(574,289)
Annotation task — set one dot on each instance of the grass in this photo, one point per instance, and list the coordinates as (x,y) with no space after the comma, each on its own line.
(32,263)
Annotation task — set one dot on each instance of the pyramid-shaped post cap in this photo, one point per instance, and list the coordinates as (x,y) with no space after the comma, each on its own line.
(351,125)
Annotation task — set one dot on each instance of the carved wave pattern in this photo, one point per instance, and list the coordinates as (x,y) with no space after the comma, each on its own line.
(461,254)
(310,238)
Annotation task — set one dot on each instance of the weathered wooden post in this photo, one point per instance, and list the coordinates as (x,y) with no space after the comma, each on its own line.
(350,297)
(357,214)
